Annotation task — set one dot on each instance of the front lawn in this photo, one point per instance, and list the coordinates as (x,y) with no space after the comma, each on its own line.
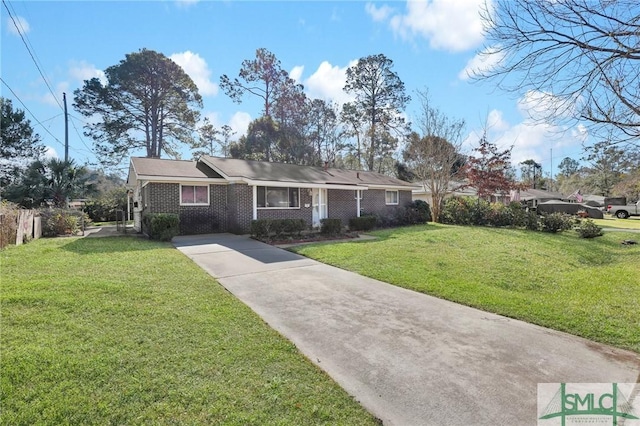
(127,331)
(590,288)
(613,222)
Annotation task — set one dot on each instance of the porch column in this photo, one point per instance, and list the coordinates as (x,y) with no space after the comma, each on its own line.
(255,202)
(358,195)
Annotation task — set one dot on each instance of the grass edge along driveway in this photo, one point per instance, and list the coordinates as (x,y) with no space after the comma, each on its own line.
(586,287)
(127,331)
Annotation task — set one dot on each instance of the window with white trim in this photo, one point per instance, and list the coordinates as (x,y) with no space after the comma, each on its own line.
(358,194)
(194,195)
(391,197)
(270,197)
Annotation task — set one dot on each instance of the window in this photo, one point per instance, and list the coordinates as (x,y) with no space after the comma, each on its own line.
(194,195)
(270,197)
(391,197)
(358,194)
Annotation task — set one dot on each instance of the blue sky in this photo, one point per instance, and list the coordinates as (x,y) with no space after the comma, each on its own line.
(431,42)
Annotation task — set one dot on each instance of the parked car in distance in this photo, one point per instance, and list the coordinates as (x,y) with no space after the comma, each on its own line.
(623,212)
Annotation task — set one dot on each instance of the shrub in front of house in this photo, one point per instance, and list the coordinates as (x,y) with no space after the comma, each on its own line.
(416,212)
(518,214)
(556,222)
(162,226)
(532,221)
(330,227)
(363,223)
(267,229)
(589,229)
(457,211)
(294,227)
(500,215)
(480,211)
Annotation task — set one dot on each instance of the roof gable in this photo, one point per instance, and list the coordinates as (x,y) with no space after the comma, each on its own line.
(178,169)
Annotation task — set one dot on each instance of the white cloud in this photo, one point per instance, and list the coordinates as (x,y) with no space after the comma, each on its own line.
(539,105)
(484,60)
(378,14)
(50,152)
(328,81)
(81,71)
(21,26)
(446,24)
(496,121)
(214,119)
(62,87)
(296,73)
(530,138)
(198,70)
(239,122)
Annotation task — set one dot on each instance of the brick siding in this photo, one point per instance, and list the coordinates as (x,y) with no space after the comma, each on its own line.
(231,207)
(165,198)
(240,208)
(374,202)
(342,204)
(303,212)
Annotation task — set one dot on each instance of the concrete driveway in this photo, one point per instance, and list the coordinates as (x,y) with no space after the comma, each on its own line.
(410,359)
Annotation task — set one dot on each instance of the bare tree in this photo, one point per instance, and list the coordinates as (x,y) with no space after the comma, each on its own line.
(435,157)
(580,57)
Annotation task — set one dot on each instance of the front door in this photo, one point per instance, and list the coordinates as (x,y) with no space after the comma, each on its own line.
(319,196)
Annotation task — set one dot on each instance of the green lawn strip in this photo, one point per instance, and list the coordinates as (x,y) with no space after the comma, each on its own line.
(612,222)
(126,331)
(590,288)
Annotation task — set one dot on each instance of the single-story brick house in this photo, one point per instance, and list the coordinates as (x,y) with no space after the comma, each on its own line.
(225,195)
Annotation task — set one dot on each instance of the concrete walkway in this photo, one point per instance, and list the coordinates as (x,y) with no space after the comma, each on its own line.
(410,359)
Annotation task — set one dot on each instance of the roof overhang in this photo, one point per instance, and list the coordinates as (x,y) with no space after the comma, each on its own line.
(311,185)
(178,179)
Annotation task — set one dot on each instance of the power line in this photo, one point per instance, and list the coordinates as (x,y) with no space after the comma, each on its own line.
(31,52)
(28,110)
(78,133)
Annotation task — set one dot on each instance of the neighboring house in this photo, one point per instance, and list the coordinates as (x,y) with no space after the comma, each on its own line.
(533,197)
(458,189)
(455,189)
(225,195)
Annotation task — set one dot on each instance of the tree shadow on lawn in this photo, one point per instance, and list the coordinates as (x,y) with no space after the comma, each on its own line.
(116,244)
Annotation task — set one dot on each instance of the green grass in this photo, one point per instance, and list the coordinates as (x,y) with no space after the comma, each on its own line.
(126,331)
(613,222)
(589,288)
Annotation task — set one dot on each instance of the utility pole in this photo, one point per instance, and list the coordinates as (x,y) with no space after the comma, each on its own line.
(66,129)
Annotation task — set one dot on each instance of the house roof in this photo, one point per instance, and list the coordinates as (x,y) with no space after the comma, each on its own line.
(280,172)
(530,193)
(168,168)
(256,172)
(457,188)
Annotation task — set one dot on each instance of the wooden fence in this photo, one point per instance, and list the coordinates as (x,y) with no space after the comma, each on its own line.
(20,228)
